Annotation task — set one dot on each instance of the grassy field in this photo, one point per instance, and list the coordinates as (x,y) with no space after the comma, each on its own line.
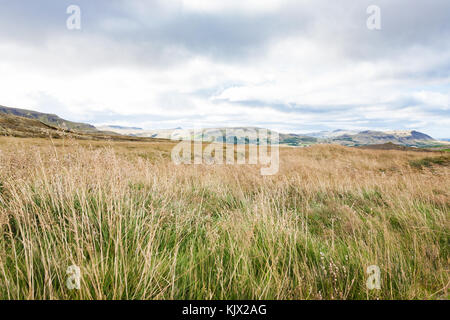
(140,227)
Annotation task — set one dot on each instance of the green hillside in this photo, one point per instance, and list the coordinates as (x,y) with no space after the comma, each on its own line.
(49,119)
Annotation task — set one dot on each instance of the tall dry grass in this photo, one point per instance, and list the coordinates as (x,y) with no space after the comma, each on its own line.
(140,227)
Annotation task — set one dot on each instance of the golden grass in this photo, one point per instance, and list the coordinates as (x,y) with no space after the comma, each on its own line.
(140,227)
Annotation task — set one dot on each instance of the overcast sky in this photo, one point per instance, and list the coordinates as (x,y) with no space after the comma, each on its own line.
(293,66)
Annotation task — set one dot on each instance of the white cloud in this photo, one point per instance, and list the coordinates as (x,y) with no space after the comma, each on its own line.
(176,62)
(435,99)
(232,5)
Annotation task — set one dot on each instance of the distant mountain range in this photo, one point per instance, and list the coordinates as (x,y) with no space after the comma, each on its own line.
(239,134)
(342,137)
(368,137)
(125,128)
(28,123)
(331,134)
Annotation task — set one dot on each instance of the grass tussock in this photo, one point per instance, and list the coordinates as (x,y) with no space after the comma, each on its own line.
(140,227)
(429,162)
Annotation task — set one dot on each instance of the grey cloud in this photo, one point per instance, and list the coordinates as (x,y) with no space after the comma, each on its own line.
(231,37)
(152,36)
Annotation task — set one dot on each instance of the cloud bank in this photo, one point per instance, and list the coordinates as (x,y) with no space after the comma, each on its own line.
(293,66)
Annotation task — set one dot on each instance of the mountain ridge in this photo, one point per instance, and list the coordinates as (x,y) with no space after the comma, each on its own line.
(49,119)
(354,138)
(340,136)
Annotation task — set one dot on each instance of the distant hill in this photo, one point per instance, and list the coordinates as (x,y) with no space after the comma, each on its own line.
(342,137)
(22,127)
(16,126)
(12,122)
(332,134)
(392,146)
(239,135)
(124,128)
(368,137)
(49,119)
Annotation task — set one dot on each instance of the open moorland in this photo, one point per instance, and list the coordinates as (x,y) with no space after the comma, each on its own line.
(141,227)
